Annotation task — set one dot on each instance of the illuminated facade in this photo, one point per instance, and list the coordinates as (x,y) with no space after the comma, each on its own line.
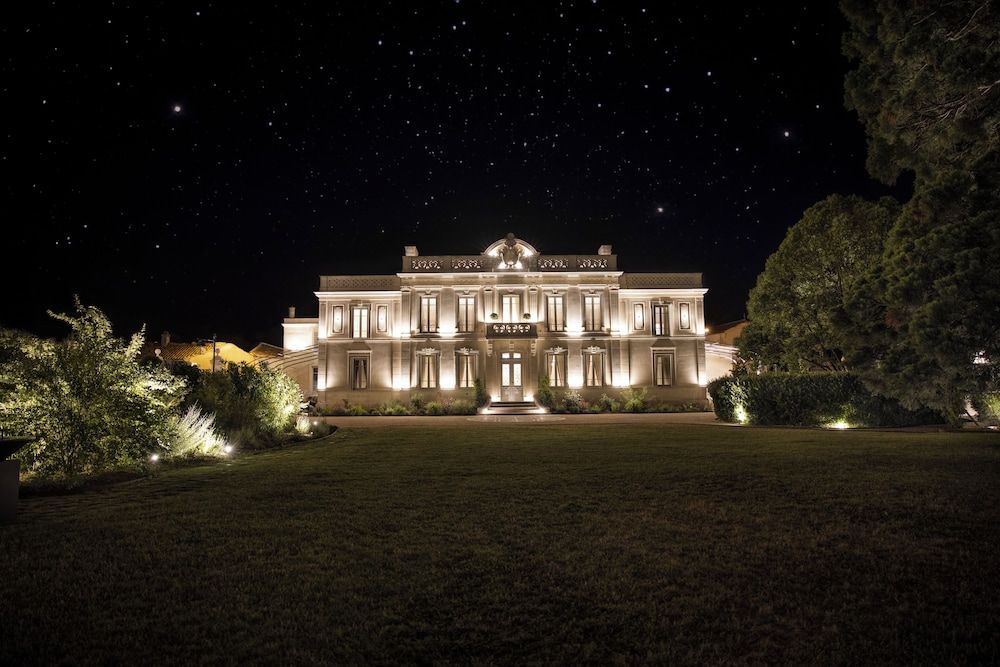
(507,316)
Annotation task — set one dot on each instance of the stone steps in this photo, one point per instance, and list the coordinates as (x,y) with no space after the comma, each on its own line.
(512,408)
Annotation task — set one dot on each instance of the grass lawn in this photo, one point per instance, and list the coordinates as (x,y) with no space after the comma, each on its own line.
(539,543)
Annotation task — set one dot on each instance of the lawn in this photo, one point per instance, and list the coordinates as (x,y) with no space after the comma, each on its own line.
(533,543)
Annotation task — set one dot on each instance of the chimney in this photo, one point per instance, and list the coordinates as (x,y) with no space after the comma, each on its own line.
(291,312)
(164,339)
(604,250)
(410,250)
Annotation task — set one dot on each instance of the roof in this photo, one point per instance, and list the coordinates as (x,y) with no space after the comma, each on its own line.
(266,351)
(660,281)
(197,354)
(374,283)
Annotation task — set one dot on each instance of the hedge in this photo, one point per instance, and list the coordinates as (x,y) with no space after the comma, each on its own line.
(809,399)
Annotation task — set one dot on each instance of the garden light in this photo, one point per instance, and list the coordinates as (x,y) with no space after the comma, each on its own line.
(154,458)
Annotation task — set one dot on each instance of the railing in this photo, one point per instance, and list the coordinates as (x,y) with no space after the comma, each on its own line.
(511,330)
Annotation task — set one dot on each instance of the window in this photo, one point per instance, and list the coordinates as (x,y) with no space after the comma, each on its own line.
(684,318)
(466,321)
(663,369)
(593,369)
(359,322)
(359,372)
(555,367)
(427,371)
(554,313)
(638,317)
(465,369)
(659,320)
(592,312)
(338,319)
(382,319)
(511,308)
(315,378)
(428,314)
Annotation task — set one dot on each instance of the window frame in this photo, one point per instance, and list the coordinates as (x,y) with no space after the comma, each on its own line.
(557,323)
(352,362)
(465,317)
(428,319)
(684,316)
(462,360)
(638,316)
(553,360)
(670,358)
(593,315)
(362,329)
(590,356)
(382,318)
(515,308)
(660,315)
(428,370)
(337,319)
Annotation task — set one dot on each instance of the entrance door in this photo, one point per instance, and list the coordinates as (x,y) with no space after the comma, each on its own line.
(510,377)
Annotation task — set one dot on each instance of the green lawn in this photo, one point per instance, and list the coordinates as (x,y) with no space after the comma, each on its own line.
(539,543)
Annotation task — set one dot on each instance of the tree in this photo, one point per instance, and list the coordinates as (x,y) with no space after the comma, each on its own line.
(918,321)
(926,84)
(927,89)
(86,400)
(805,283)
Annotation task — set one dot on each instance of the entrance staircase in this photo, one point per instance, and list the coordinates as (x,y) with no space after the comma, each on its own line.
(513,408)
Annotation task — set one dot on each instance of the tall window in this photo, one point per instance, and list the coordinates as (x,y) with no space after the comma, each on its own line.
(511,307)
(315,378)
(659,320)
(554,313)
(593,369)
(359,322)
(638,317)
(684,316)
(382,319)
(428,314)
(465,369)
(338,319)
(555,367)
(466,314)
(427,371)
(592,312)
(359,372)
(663,369)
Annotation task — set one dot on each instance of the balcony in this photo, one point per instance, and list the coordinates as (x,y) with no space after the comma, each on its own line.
(511,330)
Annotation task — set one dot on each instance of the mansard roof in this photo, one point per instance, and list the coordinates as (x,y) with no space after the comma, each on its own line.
(660,281)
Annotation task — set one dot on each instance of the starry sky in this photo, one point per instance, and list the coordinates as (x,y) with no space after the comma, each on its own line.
(196,167)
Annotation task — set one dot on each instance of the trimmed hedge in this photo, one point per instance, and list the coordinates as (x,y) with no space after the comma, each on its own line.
(809,399)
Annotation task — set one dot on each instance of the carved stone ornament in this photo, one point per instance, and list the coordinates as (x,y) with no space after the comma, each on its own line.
(425,264)
(510,254)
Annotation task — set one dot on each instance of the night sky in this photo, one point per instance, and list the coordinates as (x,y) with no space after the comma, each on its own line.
(195,167)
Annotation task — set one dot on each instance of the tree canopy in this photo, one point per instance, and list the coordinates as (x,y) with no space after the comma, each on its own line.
(926,83)
(808,279)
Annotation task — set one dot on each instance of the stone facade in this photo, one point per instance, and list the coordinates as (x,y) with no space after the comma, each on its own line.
(507,316)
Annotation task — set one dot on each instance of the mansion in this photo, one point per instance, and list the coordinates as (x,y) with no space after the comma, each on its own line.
(507,316)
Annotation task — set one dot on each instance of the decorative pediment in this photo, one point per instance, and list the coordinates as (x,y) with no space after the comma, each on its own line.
(510,251)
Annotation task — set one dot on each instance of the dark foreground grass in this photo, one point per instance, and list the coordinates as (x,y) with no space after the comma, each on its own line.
(532,543)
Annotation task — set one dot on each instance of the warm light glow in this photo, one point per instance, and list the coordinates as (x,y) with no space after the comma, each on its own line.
(622,382)
(529,397)
(495,397)
(447,331)
(741,414)
(399,385)
(154,458)
(526,253)
(839,425)
(228,449)
(702,379)
(447,382)
(575,380)
(574,331)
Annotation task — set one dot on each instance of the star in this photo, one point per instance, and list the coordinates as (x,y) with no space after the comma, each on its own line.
(659,209)
(177,108)
(787,134)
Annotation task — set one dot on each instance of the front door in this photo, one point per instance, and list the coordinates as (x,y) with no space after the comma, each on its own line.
(510,377)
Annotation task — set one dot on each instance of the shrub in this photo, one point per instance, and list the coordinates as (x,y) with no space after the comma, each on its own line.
(480,393)
(417,404)
(357,411)
(808,399)
(634,400)
(434,409)
(88,401)
(461,407)
(544,396)
(572,402)
(195,434)
(605,404)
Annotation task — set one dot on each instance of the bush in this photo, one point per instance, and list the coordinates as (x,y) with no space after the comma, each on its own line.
(480,393)
(195,434)
(544,396)
(571,402)
(605,404)
(634,400)
(417,405)
(88,401)
(257,403)
(357,411)
(808,399)
(987,405)
(434,409)
(461,407)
